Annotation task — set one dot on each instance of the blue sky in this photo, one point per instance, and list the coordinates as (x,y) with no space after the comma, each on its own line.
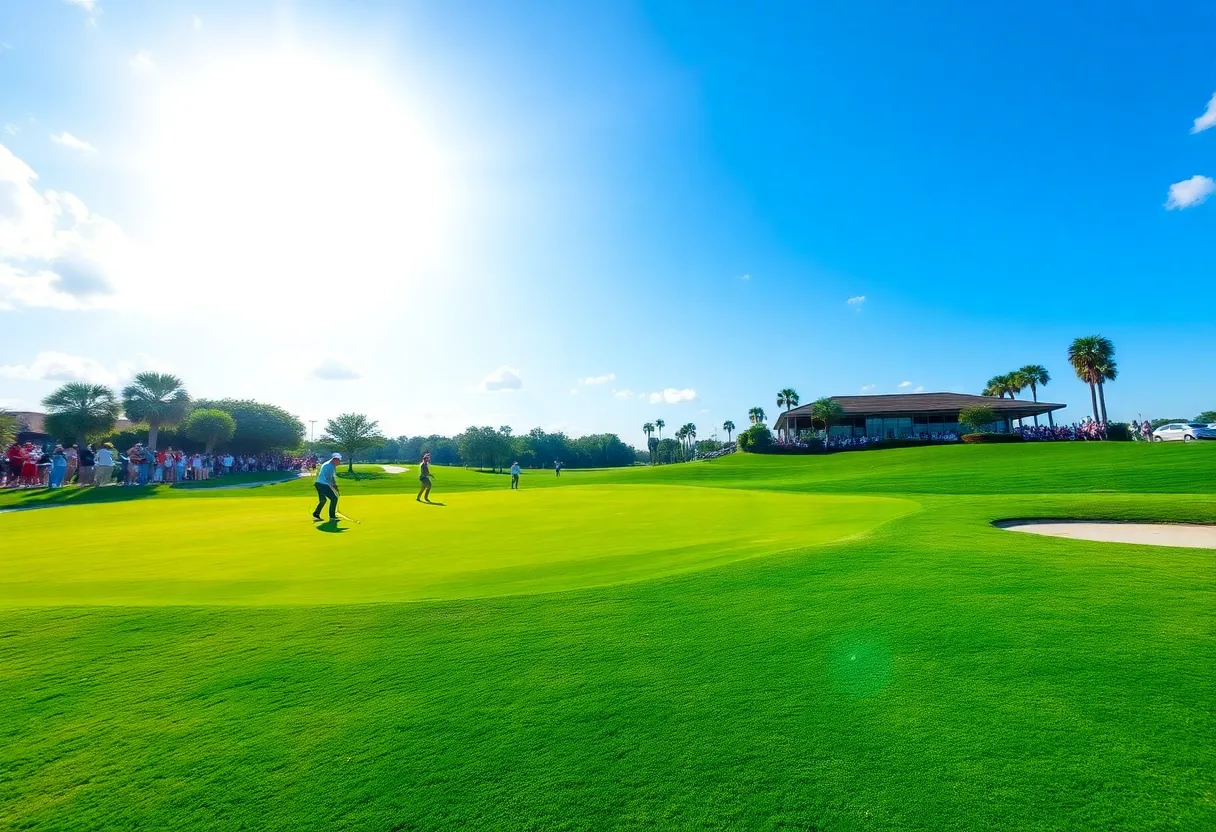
(587,217)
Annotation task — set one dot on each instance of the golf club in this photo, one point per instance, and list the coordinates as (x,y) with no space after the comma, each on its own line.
(345,516)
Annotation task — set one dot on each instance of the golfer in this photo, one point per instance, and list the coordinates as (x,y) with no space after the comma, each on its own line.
(424,477)
(327,488)
(515,475)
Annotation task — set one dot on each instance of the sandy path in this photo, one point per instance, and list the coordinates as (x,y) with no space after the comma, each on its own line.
(394,469)
(1191,536)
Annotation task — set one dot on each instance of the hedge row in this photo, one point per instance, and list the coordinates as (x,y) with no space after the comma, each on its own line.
(991,438)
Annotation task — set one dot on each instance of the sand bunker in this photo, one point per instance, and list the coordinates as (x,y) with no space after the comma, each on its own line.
(394,469)
(1114,531)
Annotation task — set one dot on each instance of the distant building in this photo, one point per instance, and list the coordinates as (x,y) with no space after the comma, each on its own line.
(905,415)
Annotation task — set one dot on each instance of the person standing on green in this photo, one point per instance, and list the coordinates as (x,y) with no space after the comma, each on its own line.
(327,488)
(424,477)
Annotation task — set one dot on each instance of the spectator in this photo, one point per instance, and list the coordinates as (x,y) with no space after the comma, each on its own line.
(86,459)
(58,469)
(73,458)
(29,465)
(103,466)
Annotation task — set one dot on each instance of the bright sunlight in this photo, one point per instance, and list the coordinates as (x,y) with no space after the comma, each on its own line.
(290,166)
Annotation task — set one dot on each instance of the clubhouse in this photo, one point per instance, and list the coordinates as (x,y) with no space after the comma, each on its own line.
(905,415)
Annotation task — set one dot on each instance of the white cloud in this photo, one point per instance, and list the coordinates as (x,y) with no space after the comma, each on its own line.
(501,380)
(11,129)
(573,391)
(54,252)
(126,370)
(867,388)
(745,277)
(1189,192)
(196,22)
(604,379)
(333,370)
(919,390)
(904,384)
(1208,118)
(856,301)
(142,62)
(703,410)
(61,367)
(623,394)
(673,396)
(68,140)
(88,5)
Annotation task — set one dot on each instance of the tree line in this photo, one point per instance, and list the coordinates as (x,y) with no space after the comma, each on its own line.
(487,447)
(163,412)
(162,409)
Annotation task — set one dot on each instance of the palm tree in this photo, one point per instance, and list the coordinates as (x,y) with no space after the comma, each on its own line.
(680,434)
(1034,376)
(729,427)
(1087,355)
(1108,370)
(756,415)
(81,410)
(995,387)
(690,430)
(826,410)
(155,398)
(8,428)
(648,429)
(660,424)
(1014,384)
(787,398)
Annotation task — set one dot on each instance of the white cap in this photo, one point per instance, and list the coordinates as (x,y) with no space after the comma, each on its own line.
(336,456)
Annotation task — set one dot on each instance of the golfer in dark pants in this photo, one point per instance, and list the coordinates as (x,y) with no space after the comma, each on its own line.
(327,488)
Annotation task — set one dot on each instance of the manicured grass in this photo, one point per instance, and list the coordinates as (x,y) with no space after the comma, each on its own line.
(935,673)
(257,552)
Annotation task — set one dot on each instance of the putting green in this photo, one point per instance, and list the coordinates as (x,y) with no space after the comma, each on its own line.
(236,551)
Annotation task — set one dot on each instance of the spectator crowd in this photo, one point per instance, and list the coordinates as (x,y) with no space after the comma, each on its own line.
(1086,430)
(54,466)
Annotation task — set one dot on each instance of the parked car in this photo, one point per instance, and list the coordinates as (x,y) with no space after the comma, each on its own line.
(1184,432)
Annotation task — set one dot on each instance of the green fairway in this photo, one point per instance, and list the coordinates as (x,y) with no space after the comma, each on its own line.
(771,643)
(240,551)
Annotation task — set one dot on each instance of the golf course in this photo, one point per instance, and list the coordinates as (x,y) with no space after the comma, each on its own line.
(828,642)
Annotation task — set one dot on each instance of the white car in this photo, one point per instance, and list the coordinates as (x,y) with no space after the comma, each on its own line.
(1183,432)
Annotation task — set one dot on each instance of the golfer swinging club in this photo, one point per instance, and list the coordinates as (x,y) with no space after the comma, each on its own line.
(327,488)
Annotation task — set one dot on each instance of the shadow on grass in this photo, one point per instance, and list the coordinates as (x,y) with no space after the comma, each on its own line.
(330,526)
(76,495)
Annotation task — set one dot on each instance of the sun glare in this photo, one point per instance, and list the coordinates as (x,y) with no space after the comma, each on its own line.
(290,168)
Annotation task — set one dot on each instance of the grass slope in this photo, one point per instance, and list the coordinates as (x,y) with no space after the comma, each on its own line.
(255,552)
(933,674)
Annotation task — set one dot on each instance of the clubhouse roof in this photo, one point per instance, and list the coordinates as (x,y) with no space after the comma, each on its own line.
(910,414)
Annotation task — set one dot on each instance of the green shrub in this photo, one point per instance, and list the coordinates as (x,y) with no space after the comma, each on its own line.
(977,418)
(1119,432)
(756,440)
(991,438)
